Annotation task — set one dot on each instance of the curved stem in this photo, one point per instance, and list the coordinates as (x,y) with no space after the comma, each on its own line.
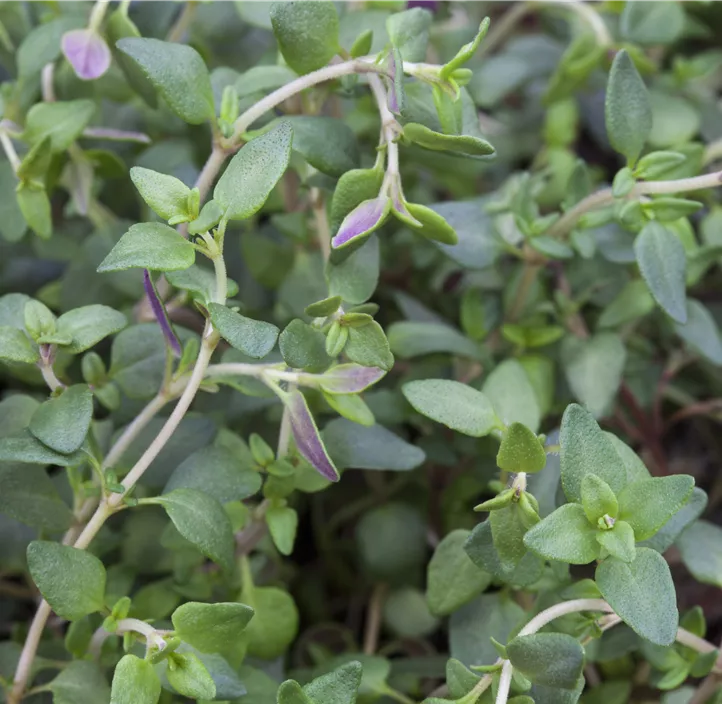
(604,197)
(25,663)
(500,30)
(502,693)
(592,18)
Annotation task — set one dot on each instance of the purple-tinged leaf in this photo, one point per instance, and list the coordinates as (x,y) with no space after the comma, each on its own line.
(160,314)
(308,439)
(362,221)
(349,378)
(430,5)
(87,53)
(116,135)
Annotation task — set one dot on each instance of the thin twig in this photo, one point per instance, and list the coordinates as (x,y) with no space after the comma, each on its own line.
(373,618)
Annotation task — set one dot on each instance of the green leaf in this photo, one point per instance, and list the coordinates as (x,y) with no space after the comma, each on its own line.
(700,546)
(200,282)
(642,593)
(304,347)
(16,347)
(150,245)
(282,524)
(412,338)
(326,143)
(135,682)
(324,308)
(564,535)
(28,495)
(338,687)
(24,447)
(652,23)
(512,395)
(211,628)
(520,450)
(369,347)
(466,144)
(290,692)
(190,677)
(36,163)
(618,541)
(455,405)
(211,214)
(81,682)
(433,226)
(118,27)
(354,446)
(255,338)
(253,173)
(593,368)
(632,303)
(409,32)
(585,449)
(63,122)
(701,332)
(598,499)
(548,659)
(307,33)
(627,110)
(34,204)
(663,263)
(89,325)
(452,578)
(675,526)
(178,74)
(201,519)
(72,581)
(166,195)
(62,422)
(648,504)
(274,625)
(466,52)
(669,208)
(217,471)
(352,189)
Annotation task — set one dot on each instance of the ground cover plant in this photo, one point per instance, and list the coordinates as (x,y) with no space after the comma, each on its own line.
(360,352)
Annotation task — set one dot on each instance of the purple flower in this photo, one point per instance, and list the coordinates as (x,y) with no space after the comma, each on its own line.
(307,437)
(362,220)
(160,314)
(349,378)
(87,53)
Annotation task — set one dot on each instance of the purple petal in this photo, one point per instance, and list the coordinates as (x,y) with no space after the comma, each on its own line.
(430,5)
(160,314)
(362,220)
(308,440)
(349,378)
(87,53)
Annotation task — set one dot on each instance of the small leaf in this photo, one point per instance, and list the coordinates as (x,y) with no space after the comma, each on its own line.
(452,578)
(211,628)
(88,325)
(642,593)
(618,541)
(255,338)
(253,173)
(72,581)
(80,682)
(304,347)
(16,347)
(62,422)
(87,53)
(349,378)
(135,682)
(166,195)
(190,677)
(456,405)
(34,204)
(520,450)
(338,687)
(663,263)
(701,332)
(24,447)
(598,499)
(466,144)
(512,395)
(548,659)
(282,524)
(306,32)
(63,122)
(369,347)
(361,222)
(308,439)
(564,535)
(150,245)
(324,308)
(585,449)
(352,189)
(466,52)
(201,519)
(648,504)
(433,226)
(274,625)
(178,74)
(627,110)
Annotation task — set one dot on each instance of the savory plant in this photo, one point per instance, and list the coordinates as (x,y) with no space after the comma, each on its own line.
(197,360)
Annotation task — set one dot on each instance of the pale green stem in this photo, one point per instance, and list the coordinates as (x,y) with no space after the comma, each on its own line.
(97,14)
(591,17)
(604,197)
(284,434)
(49,376)
(503,27)
(9,149)
(47,88)
(502,693)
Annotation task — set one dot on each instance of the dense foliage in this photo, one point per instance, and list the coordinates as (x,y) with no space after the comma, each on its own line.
(288,291)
